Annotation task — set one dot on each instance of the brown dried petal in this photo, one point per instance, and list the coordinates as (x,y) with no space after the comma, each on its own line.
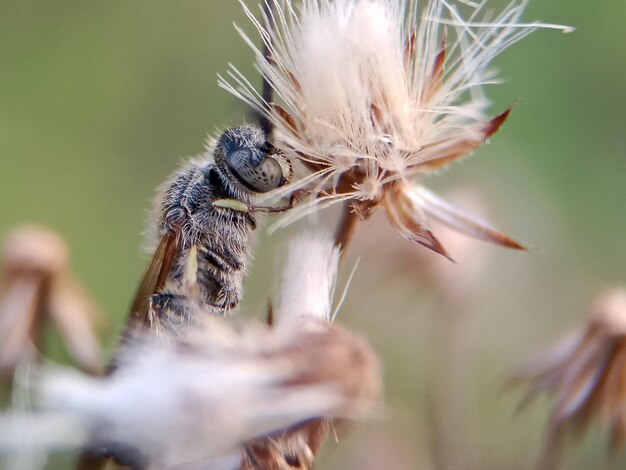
(287,118)
(18,317)
(294,81)
(456,219)
(75,315)
(446,151)
(327,355)
(403,215)
(496,123)
(37,283)
(377,117)
(34,249)
(435,80)
(409,50)
(581,386)
(544,372)
(609,313)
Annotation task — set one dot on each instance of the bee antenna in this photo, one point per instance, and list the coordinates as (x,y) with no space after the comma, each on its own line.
(267,91)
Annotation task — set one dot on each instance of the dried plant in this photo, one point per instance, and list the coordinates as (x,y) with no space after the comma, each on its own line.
(373,95)
(176,404)
(433,272)
(199,401)
(377,94)
(586,375)
(37,286)
(306,302)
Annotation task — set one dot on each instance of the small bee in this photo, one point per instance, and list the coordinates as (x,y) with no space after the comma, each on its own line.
(205,216)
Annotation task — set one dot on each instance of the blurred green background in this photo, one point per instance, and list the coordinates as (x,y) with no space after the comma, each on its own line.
(100,100)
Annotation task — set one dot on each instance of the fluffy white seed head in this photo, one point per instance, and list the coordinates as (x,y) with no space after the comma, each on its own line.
(381,84)
(196,404)
(371,94)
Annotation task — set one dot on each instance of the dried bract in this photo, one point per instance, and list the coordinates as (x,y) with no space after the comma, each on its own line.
(586,373)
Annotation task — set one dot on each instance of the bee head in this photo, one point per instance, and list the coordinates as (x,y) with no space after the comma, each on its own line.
(254,162)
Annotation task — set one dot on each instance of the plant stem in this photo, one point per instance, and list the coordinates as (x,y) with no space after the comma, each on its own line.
(449,426)
(346,227)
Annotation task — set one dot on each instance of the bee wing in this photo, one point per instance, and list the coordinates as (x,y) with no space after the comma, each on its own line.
(155,277)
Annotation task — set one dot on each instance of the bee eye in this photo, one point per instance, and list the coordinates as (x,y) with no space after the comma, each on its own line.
(255,169)
(267,147)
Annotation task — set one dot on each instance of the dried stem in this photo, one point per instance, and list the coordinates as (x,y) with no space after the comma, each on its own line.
(300,446)
(316,432)
(449,425)
(346,227)
(37,288)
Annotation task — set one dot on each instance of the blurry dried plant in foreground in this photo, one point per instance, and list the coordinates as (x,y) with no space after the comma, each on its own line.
(36,287)
(586,375)
(216,396)
(195,404)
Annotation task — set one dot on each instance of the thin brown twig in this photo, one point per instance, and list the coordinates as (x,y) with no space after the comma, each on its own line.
(449,427)
(346,227)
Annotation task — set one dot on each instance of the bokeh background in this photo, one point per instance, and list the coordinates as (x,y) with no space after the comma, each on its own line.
(99,101)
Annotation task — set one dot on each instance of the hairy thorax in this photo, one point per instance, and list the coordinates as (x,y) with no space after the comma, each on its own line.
(218,237)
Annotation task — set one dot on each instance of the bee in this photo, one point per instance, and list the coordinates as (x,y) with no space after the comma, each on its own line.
(205,216)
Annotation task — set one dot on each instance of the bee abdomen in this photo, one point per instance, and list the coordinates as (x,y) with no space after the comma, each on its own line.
(221,261)
(218,288)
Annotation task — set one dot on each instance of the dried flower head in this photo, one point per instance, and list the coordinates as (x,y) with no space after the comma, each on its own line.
(215,396)
(586,373)
(37,283)
(197,403)
(375,94)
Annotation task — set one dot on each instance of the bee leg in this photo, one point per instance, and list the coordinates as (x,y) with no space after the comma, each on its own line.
(168,310)
(121,454)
